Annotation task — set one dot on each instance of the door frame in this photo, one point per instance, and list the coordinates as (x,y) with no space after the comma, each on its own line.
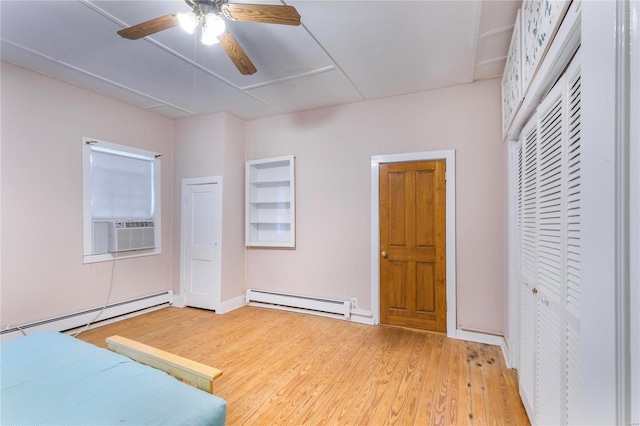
(183,239)
(449,156)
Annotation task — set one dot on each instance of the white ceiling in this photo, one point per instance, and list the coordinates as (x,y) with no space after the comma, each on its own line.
(344,51)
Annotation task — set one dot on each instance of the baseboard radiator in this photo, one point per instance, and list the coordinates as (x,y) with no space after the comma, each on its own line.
(80,319)
(297,303)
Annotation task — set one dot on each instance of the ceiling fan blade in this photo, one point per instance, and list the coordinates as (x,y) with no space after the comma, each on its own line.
(149,27)
(265,13)
(236,54)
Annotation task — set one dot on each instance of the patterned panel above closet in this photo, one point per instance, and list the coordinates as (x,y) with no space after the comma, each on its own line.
(512,78)
(540,21)
(535,27)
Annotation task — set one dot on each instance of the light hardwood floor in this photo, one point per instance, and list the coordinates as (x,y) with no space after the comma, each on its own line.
(287,368)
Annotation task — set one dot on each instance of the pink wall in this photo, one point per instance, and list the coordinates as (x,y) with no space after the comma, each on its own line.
(199,152)
(333,149)
(213,145)
(233,250)
(43,122)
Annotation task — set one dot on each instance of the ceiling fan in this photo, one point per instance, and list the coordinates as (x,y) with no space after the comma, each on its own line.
(208,12)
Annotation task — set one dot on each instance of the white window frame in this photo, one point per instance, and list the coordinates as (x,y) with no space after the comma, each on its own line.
(87,220)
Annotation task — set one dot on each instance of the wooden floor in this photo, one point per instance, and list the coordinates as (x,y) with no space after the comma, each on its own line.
(287,368)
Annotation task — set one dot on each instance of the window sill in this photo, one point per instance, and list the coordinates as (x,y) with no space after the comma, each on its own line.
(105,257)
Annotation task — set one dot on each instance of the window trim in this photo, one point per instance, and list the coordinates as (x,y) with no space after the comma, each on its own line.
(87,220)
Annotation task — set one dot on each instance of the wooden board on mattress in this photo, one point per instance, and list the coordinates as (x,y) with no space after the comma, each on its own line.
(181,368)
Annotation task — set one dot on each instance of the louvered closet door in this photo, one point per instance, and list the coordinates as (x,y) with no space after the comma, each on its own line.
(527,221)
(549,245)
(549,362)
(573,385)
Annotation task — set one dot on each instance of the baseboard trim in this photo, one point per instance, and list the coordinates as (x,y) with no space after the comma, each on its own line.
(122,317)
(78,320)
(361,316)
(357,315)
(227,306)
(298,310)
(178,301)
(489,339)
(232,304)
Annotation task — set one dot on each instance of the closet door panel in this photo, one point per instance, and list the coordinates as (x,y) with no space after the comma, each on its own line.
(573,195)
(550,368)
(573,385)
(530,205)
(548,243)
(528,199)
(527,361)
(550,223)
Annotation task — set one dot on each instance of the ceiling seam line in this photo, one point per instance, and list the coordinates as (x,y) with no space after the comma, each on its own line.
(97,77)
(330,57)
(157,44)
(293,77)
(474,43)
(496,31)
(490,61)
(176,54)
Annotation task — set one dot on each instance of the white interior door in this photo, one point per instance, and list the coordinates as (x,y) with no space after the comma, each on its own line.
(202,214)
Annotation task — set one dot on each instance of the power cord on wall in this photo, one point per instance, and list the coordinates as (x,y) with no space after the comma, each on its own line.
(9,326)
(106,303)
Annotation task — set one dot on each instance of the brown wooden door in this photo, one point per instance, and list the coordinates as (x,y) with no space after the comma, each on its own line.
(412,245)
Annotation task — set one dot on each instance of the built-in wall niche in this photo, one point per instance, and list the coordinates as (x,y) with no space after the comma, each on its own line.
(270,203)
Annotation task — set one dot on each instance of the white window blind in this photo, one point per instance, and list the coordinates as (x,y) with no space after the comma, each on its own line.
(121,185)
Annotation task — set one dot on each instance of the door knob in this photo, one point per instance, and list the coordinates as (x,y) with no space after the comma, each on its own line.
(384,254)
(534,291)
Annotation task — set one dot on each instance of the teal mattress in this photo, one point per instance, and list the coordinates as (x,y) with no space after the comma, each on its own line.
(52,378)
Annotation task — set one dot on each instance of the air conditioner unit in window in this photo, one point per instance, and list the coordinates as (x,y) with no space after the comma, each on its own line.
(131,235)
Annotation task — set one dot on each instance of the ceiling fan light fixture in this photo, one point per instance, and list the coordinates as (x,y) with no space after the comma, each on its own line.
(208,36)
(213,28)
(188,21)
(214,23)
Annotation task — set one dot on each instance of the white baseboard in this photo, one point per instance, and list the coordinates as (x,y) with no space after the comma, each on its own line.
(230,305)
(489,339)
(297,310)
(77,320)
(178,301)
(361,316)
(75,331)
(312,304)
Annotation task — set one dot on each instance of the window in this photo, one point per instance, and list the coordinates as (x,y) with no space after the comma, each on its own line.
(120,183)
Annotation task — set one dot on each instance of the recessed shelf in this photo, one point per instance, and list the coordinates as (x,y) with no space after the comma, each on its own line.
(270,203)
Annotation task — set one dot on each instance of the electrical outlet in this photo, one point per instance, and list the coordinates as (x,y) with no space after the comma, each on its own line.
(354,303)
